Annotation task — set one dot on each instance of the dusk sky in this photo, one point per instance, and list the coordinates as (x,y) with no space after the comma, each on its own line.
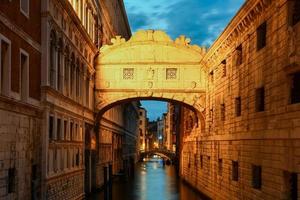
(200,20)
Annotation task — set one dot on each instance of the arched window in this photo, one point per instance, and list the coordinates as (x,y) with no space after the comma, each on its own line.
(52,57)
(77,79)
(66,70)
(59,65)
(87,89)
(72,72)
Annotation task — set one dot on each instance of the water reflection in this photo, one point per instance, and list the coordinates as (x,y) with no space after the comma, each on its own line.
(153,181)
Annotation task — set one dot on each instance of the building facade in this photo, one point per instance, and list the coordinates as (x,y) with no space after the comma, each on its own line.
(249,146)
(20,95)
(50,147)
(142,129)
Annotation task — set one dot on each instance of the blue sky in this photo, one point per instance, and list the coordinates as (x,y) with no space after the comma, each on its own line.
(200,20)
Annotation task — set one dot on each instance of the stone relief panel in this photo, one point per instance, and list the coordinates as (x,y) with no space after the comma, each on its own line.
(171,73)
(128,73)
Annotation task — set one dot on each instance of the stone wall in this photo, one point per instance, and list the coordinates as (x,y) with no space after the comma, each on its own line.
(20,151)
(248,151)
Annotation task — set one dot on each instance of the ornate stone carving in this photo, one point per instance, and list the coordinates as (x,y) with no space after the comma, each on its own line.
(117,40)
(128,73)
(150,73)
(183,40)
(171,73)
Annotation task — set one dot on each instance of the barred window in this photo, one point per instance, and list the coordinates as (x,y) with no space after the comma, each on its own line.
(11,180)
(224,68)
(260,99)
(222,111)
(256,177)
(239,55)
(238,106)
(220,166)
(295,88)
(235,170)
(261,34)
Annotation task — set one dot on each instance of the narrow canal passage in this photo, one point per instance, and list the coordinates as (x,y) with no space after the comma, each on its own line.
(152,181)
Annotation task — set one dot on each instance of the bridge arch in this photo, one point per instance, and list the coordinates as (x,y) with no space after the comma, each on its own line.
(150,65)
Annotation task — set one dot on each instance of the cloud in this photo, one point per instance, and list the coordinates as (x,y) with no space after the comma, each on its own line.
(201,20)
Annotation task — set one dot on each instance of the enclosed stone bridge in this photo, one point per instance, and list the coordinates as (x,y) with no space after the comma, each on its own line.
(150,65)
(160,152)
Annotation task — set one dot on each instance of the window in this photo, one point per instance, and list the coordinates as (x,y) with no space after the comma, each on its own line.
(239,55)
(256,176)
(71,131)
(238,106)
(51,120)
(77,158)
(211,76)
(260,99)
(58,126)
(295,12)
(65,129)
(224,69)
(52,57)
(261,33)
(66,71)
(295,88)
(11,180)
(24,76)
(77,81)
(201,161)
(222,111)
(235,170)
(87,91)
(291,185)
(24,7)
(220,166)
(5,67)
(59,66)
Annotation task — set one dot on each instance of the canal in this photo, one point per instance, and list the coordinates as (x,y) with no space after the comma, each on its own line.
(152,181)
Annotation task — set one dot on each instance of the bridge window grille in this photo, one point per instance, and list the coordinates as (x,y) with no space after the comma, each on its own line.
(220,166)
(11,180)
(295,88)
(261,34)
(238,106)
(239,55)
(171,73)
(235,170)
(260,99)
(256,177)
(128,73)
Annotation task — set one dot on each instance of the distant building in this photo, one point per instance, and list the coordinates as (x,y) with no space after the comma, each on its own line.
(142,128)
